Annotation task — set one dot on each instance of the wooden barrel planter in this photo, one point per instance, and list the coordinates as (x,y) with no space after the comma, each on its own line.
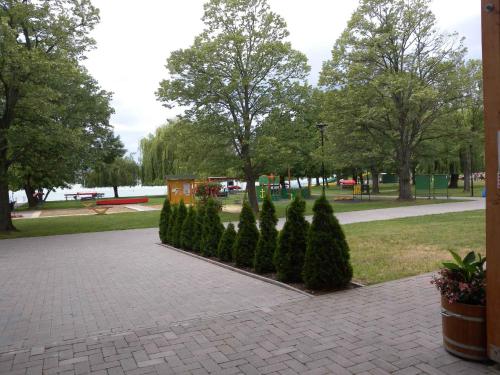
(464,330)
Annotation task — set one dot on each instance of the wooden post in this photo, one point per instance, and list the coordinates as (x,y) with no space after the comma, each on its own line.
(490,17)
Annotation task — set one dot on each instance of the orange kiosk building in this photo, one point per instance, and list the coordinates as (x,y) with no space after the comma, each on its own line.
(180,187)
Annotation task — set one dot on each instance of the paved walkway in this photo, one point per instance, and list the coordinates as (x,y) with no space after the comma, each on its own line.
(114,303)
(401,212)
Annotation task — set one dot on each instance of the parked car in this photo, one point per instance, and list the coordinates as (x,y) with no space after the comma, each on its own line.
(223,192)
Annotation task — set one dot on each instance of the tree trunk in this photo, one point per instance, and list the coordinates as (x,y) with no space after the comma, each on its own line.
(282,182)
(115,190)
(375,186)
(453,181)
(453,177)
(317,181)
(252,193)
(405,192)
(11,97)
(298,181)
(47,195)
(5,219)
(309,183)
(30,194)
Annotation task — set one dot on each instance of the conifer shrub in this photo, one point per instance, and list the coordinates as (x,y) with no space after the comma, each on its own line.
(246,238)
(212,230)
(327,261)
(179,220)
(164,218)
(226,244)
(198,228)
(188,228)
(171,225)
(266,246)
(292,242)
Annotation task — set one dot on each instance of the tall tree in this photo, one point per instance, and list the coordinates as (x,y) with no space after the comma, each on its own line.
(55,139)
(121,172)
(236,72)
(36,38)
(398,74)
(180,147)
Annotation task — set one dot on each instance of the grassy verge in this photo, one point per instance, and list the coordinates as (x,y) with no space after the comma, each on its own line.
(134,220)
(392,249)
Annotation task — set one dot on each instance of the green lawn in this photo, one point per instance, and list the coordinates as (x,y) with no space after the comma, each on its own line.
(392,189)
(132,220)
(392,249)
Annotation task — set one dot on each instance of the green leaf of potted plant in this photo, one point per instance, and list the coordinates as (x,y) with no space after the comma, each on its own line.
(462,285)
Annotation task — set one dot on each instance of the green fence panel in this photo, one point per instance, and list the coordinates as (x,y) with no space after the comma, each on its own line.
(423,185)
(441,181)
(389,178)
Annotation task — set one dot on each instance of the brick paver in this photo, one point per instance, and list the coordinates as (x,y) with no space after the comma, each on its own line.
(163,312)
(65,287)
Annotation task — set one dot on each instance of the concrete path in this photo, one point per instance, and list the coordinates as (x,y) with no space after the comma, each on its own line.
(402,212)
(391,328)
(141,208)
(409,211)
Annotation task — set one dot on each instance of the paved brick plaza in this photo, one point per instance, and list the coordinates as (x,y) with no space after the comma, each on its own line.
(114,303)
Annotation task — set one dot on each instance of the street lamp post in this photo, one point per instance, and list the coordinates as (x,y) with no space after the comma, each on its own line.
(321,127)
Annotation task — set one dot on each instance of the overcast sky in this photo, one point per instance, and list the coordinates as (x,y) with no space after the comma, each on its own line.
(135,38)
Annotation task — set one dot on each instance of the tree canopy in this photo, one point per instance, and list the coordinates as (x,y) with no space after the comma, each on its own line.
(398,77)
(237,71)
(41,45)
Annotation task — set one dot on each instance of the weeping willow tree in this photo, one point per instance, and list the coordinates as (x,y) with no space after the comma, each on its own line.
(179,147)
(157,156)
(121,172)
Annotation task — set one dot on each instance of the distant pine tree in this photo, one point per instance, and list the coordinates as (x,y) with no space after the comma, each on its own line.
(226,244)
(246,238)
(179,220)
(266,246)
(198,228)
(171,225)
(187,230)
(292,242)
(164,218)
(212,230)
(326,264)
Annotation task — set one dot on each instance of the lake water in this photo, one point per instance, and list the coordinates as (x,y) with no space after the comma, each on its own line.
(123,191)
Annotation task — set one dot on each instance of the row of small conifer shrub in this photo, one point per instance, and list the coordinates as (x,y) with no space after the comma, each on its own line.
(316,254)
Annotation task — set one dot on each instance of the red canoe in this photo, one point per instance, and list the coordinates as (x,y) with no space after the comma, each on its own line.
(347,182)
(109,202)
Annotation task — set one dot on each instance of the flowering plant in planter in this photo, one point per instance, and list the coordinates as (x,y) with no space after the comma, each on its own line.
(463,281)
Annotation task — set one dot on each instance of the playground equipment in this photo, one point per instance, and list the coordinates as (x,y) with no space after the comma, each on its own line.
(98,210)
(361,190)
(431,186)
(270,185)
